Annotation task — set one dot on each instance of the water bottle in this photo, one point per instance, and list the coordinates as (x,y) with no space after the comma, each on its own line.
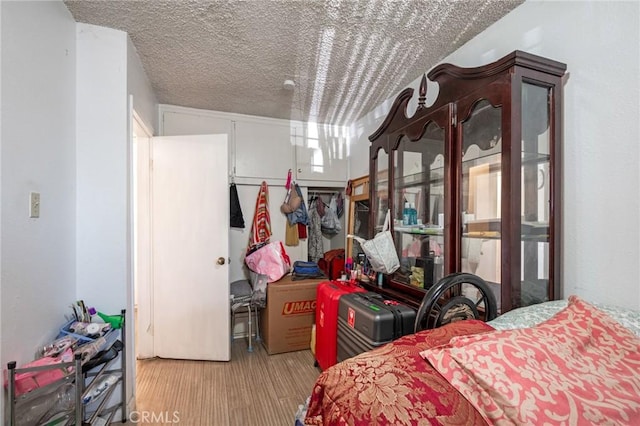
(406,215)
(44,407)
(413,214)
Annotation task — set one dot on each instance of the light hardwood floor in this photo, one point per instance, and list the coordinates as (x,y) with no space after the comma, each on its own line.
(251,389)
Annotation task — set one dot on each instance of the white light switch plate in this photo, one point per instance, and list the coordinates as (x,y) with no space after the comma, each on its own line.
(34,204)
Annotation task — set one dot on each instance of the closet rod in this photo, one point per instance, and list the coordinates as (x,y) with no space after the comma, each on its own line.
(325,191)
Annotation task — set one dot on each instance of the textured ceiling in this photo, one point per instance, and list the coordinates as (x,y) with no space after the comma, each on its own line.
(345,56)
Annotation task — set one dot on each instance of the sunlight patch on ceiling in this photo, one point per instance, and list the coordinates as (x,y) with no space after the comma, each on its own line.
(324,56)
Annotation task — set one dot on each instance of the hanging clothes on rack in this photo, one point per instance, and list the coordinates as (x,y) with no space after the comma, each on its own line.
(315,241)
(320,206)
(235,211)
(302,231)
(339,203)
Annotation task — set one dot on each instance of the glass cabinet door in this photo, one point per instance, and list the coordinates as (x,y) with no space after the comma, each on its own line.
(418,200)
(481,201)
(380,187)
(536,196)
(482,235)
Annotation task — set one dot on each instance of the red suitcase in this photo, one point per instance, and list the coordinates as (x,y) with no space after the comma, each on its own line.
(327,300)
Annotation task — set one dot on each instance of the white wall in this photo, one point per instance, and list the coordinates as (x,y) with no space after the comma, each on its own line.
(103,265)
(38,154)
(138,85)
(103,209)
(109,71)
(601,234)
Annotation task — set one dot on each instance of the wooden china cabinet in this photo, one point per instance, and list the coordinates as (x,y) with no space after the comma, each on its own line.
(473,181)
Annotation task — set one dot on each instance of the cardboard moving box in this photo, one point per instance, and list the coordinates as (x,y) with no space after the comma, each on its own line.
(289,315)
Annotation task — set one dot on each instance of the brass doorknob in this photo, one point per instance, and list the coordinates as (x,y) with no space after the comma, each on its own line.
(220,261)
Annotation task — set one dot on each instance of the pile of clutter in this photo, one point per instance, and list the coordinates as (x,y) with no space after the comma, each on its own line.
(88,334)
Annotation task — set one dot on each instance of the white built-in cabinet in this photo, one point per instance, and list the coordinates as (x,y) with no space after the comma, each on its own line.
(185,121)
(265,148)
(321,152)
(176,123)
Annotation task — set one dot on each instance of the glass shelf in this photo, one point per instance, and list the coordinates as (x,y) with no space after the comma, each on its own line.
(483,157)
(490,229)
(526,158)
(493,235)
(418,230)
(434,177)
(534,158)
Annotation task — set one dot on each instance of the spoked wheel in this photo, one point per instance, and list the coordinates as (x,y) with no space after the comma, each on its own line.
(458,296)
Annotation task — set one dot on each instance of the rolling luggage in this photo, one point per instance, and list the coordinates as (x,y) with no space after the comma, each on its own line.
(328,296)
(367,321)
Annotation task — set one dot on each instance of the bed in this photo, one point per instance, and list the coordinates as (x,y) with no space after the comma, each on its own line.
(561,362)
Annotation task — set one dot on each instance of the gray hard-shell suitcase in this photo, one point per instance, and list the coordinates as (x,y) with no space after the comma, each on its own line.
(367,321)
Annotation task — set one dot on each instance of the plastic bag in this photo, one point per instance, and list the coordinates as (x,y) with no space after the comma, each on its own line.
(381,251)
(259,293)
(271,260)
(330,221)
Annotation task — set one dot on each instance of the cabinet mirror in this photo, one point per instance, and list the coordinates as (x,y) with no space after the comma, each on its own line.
(380,189)
(480,205)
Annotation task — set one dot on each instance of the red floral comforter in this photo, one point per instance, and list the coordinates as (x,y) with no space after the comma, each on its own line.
(393,385)
(578,368)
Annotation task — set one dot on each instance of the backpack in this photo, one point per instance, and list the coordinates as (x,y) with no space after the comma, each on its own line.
(332,263)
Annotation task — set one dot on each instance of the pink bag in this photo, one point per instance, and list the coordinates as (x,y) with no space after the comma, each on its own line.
(271,260)
(26,382)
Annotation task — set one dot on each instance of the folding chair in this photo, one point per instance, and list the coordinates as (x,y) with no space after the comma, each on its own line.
(250,296)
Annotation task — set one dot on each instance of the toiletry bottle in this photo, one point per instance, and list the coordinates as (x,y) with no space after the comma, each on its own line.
(348,266)
(406,215)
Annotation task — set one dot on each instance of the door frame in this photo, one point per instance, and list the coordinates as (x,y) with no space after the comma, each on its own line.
(141,249)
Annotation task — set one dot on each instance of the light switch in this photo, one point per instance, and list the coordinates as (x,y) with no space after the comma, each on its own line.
(34,204)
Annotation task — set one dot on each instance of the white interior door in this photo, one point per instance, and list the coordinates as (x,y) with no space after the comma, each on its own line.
(142,241)
(190,247)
